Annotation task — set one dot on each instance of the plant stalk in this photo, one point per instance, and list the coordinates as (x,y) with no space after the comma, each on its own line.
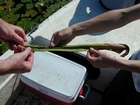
(118,48)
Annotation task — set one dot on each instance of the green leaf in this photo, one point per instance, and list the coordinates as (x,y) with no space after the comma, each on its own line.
(30,13)
(18,6)
(1,8)
(14,10)
(3,48)
(34,14)
(25,1)
(3,13)
(29,6)
(39,7)
(47,14)
(39,19)
(12,18)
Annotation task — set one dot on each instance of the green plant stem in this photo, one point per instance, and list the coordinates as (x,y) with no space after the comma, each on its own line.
(118,48)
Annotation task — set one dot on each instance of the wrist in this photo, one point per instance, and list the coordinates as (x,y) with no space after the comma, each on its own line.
(3,67)
(1,21)
(74,30)
(117,63)
(78,29)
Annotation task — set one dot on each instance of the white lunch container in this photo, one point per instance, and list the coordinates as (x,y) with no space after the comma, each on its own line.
(55,78)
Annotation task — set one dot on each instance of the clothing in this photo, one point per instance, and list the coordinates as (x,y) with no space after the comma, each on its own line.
(121,90)
(136,76)
(117,4)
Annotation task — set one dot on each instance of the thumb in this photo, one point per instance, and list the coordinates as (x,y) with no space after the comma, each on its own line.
(92,53)
(27,51)
(18,39)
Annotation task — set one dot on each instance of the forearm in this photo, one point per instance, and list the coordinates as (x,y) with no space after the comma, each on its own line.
(129,65)
(101,23)
(107,21)
(1,21)
(3,67)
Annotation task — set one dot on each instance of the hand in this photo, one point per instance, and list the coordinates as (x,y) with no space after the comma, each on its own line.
(20,62)
(12,34)
(61,37)
(100,59)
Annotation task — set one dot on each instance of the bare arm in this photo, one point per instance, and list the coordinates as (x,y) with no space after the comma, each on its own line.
(102,60)
(104,22)
(12,34)
(107,21)
(20,62)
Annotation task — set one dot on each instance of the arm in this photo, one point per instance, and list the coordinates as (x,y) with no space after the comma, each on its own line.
(107,21)
(102,60)
(21,61)
(17,63)
(104,22)
(12,34)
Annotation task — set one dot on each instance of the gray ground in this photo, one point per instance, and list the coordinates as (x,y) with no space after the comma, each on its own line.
(28,98)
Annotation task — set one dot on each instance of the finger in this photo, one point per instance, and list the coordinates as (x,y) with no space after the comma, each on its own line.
(94,52)
(19,48)
(62,43)
(12,45)
(21,33)
(55,40)
(30,58)
(89,53)
(88,56)
(26,52)
(18,39)
(15,48)
(52,42)
(29,61)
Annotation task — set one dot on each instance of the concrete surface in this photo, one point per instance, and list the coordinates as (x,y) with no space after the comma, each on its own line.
(76,11)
